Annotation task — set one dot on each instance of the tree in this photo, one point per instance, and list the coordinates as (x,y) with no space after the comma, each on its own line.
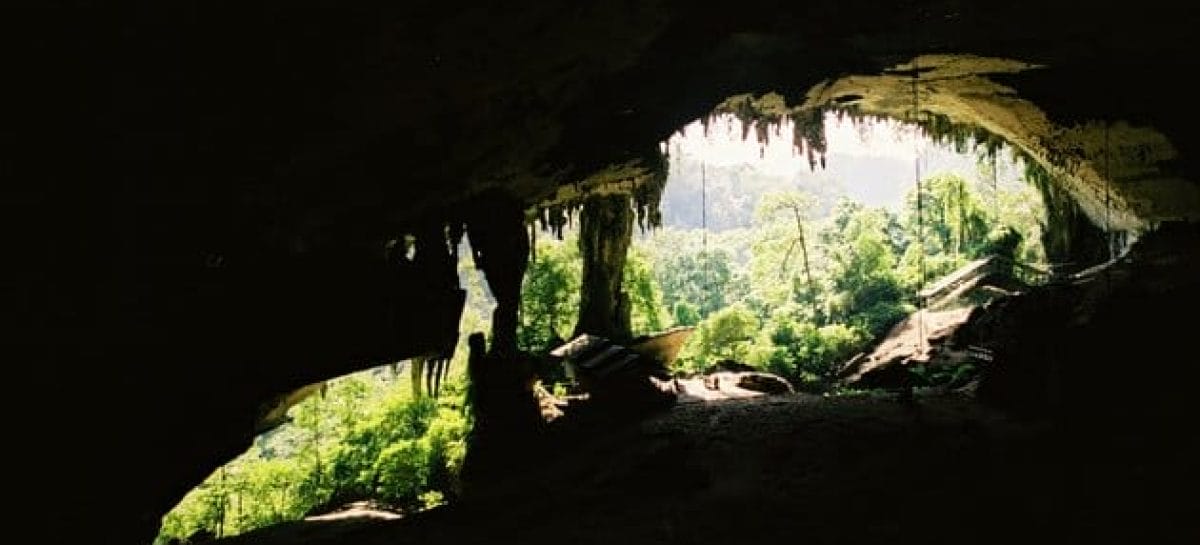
(396,449)
(366,438)
(726,334)
(949,224)
(549,296)
(796,208)
(697,279)
(865,290)
(686,314)
(647,312)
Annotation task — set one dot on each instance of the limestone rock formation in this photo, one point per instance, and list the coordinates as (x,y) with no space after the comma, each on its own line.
(204,194)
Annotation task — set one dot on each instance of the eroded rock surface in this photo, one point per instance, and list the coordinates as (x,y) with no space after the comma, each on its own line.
(202,193)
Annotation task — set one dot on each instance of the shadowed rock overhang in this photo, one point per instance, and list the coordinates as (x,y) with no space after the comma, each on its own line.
(210,186)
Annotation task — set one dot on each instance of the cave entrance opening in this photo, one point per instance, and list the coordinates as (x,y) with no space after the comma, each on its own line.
(791,261)
(374,444)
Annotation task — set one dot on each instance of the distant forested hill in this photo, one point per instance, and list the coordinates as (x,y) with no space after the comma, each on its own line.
(733,191)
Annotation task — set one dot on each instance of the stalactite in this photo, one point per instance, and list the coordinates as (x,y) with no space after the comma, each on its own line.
(815,139)
(763,133)
(532,227)
(797,136)
(647,196)
(759,114)
(967,137)
(552,218)
(605,232)
(558,218)
(808,135)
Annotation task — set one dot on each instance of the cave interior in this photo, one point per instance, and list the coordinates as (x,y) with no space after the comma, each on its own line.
(212,189)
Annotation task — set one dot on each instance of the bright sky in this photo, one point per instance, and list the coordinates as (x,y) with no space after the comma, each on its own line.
(725,146)
(872,160)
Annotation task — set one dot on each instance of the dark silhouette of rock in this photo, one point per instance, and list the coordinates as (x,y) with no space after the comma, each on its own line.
(767,383)
(733,366)
(201,193)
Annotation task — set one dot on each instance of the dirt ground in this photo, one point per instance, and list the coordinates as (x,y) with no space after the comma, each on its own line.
(1097,444)
(805,468)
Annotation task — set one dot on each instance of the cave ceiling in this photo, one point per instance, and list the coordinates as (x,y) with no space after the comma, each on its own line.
(1111,169)
(181,154)
(331,119)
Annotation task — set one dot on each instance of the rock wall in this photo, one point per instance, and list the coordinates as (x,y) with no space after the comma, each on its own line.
(501,249)
(200,193)
(605,231)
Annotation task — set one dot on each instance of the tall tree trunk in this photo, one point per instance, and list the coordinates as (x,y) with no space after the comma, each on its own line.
(804,254)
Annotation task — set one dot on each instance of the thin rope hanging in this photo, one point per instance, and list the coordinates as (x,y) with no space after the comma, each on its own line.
(920,208)
(1107,211)
(917,174)
(703,208)
(704,229)
(995,192)
(1108,230)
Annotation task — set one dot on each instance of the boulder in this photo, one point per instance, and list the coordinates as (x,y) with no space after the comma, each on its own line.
(755,381)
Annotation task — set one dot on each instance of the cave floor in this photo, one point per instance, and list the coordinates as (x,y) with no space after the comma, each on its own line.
(944,469)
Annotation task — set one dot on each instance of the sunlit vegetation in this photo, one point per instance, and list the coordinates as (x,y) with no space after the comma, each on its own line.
(795,282)
(365,438)
(362,437)
(550,295)
(814,291)
(800,290)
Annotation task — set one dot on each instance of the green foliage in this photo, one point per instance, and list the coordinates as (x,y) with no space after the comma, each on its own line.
(866,290)
(446,437)
(805,353)
(698,280)
(686,313)
(432,499)
(781,269)
(726,334)
(647,312)
(549,296)
(366,438)
(401,471)
(1022,210)
(796,295)
(948,223)
(802,320)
